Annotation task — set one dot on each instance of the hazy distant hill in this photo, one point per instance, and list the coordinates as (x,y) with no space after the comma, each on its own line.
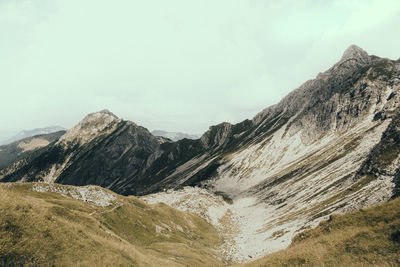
(29,133)
(17,150)
(174,136)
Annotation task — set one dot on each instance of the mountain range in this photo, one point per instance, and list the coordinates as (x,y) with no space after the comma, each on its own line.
(28,133)
(174,136)
(20,149)
(330,146)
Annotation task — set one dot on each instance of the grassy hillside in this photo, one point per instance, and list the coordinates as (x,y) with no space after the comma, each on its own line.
(58,228)
(47,228)
(368,237)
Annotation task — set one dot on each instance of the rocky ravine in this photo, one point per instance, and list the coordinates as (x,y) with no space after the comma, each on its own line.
(329,146)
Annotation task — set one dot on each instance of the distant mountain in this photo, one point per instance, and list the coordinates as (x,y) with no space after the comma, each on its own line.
(15,151)
(174,136)
(29,133)
(330,146)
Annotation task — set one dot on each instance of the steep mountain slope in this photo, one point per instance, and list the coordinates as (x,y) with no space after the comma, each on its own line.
(174,136)
(329,146)
(28,133)
(56,225)
(20,149)
(90,153)
(107,151)
(368,237)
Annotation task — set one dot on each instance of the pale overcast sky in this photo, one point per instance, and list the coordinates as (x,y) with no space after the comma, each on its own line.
(173,65)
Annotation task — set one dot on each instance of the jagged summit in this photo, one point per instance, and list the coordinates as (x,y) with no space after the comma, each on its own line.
(88,128)
(334,78)
(107,112)
(354,52)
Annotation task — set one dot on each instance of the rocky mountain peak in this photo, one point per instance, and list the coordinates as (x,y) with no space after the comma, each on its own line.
(107,112)
(216,135)
(326,84)
(354,52)
(92,125)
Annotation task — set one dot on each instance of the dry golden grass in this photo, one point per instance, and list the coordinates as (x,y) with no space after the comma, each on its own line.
(48,228)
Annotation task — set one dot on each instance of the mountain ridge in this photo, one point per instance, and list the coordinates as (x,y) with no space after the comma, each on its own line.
(28,133)
(328,146)
(20,149)
(174,136)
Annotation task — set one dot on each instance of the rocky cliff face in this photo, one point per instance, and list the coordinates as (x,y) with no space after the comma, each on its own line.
(329,146)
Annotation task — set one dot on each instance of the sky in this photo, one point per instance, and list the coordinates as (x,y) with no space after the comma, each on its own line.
(173,65)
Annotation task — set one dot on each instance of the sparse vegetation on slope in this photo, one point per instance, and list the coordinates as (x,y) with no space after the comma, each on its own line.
(367,237)
(62,226)
(53,227)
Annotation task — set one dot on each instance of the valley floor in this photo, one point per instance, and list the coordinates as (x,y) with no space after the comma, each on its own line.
(241,222)
(360,238)
(91,226)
